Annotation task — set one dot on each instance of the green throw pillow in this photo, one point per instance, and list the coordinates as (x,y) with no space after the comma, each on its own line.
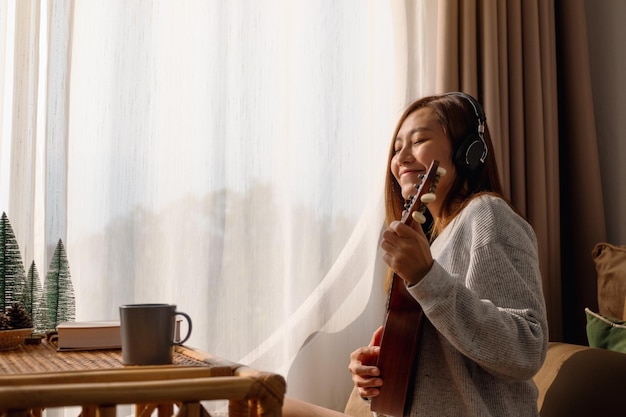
(606,332)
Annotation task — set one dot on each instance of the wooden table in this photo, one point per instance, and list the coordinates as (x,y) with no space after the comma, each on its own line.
(35,377)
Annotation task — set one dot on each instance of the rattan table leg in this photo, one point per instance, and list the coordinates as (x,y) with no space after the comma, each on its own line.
(88,411)
(190,409)
(106,411)
(35,412)
(144,410)
(165,410)
(239,409)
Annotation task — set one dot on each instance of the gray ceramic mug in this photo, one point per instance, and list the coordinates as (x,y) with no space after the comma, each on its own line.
(148,332)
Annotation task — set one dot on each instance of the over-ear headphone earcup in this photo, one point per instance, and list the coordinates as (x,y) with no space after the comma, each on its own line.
(469,155)
(472,151)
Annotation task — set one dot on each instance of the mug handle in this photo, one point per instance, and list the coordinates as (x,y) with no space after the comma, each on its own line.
(186,316)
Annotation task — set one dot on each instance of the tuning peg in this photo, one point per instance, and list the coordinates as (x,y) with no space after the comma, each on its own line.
(419,217)
(428,198)
(441,171)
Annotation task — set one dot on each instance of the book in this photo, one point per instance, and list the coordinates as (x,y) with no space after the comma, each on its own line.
(89,335)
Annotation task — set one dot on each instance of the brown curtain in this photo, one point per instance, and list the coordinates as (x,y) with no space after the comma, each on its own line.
(532,76)
(582,213)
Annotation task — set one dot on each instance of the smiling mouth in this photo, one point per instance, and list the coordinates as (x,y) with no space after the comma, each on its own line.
(412,172)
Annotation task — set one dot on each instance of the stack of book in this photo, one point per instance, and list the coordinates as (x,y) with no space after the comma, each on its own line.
(89,335)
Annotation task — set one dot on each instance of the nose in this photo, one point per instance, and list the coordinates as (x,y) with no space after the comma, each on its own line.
(405,155)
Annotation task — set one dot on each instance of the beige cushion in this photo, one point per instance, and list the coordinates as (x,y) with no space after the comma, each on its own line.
(610,261)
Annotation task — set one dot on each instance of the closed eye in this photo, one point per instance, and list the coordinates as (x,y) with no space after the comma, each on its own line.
(419,141)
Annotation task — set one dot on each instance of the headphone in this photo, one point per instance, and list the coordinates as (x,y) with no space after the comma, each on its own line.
(472,151)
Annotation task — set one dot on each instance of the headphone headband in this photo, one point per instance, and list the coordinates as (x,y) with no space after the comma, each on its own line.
(478,109)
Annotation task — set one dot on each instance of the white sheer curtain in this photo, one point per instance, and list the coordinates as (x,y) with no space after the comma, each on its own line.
(225,156)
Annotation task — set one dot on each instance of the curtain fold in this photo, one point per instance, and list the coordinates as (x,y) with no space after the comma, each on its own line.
(5,25)
(56,120)
(416,40)
(582,215)
(24,122)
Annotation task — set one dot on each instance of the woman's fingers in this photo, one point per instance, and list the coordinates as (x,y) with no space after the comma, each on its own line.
(365,374)
(406,251)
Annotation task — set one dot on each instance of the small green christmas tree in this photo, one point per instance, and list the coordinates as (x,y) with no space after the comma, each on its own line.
(34,303)
(12,276)
(58,290)
(32,289)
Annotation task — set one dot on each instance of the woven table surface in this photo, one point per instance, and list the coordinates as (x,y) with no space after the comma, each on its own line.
(27,359)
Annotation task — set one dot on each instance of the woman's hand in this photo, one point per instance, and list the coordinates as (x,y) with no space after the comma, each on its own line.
(407,251)
(363,367)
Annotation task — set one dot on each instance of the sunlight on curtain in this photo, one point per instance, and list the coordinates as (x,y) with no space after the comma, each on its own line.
(218,157)
(227,157)
(7,18)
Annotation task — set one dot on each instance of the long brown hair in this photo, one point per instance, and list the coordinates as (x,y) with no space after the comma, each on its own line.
(458,118)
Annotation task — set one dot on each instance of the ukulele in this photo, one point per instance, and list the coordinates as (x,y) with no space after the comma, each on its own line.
(403,322)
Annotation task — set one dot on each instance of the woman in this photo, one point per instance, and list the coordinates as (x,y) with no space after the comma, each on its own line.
(475,275)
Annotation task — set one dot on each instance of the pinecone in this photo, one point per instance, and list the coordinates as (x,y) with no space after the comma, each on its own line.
(18,317)
(4,322)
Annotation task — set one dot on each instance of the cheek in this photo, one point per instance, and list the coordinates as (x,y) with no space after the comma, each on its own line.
(395,169)
(444,155)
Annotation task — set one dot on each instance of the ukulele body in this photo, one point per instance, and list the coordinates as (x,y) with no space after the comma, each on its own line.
(400,339)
